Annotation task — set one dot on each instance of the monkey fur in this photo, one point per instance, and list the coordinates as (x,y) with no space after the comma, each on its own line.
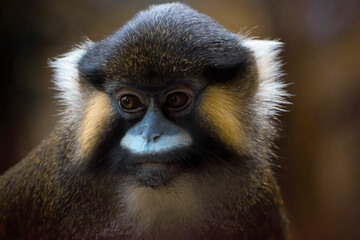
(166,133)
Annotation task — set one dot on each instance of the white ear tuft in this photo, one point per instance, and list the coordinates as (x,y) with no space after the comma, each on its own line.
(271,94)
(66,78)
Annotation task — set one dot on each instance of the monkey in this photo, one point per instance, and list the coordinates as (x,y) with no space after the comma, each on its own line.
(166,132)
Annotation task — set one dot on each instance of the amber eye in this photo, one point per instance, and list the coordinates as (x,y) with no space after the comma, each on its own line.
(131,103)
(176,100)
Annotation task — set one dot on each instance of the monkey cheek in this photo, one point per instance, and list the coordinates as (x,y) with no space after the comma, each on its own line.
(156,175)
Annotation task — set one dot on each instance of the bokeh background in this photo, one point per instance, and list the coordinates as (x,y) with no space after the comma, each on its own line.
(319,150)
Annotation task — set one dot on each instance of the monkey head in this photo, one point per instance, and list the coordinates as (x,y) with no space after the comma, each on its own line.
(169,94)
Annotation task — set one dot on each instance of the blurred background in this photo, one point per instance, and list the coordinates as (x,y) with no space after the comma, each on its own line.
(319,150)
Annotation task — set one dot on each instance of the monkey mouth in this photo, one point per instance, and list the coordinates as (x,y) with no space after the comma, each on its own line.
(156,174)
(158,165)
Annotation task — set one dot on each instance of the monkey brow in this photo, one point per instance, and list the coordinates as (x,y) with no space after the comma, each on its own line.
(110,86)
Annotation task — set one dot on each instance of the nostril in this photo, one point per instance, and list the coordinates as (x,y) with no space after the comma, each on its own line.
(151,137)
(156,136)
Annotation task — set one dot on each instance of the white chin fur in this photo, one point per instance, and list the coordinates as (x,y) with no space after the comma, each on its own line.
(138,145)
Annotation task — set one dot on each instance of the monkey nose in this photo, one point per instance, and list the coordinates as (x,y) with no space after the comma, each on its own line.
(151,136)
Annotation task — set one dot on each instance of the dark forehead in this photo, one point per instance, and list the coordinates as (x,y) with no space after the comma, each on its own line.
(166,43)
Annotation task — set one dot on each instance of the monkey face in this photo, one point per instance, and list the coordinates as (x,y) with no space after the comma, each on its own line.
(154,143)
(156,134)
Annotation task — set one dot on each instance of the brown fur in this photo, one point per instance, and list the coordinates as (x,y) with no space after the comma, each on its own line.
(52,193)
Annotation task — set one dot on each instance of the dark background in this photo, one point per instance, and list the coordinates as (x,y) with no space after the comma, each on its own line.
(319,150)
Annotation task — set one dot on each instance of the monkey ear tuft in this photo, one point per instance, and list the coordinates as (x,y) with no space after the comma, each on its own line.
(66,78)
(271,93)
(266,54)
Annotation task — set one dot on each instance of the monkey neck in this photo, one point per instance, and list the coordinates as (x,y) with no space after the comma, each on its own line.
(204,205)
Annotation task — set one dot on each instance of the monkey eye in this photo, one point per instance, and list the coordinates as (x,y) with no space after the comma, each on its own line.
(177,100)
(130,103)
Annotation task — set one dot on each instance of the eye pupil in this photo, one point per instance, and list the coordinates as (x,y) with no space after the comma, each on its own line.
(173,99)
(177,100)
(126,102)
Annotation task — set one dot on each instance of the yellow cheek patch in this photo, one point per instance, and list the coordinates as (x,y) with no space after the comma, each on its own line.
(220,112)
(93,127)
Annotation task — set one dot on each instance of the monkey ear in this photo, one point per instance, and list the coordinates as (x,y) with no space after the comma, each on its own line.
(66,78)
(271,93)
(222,68)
